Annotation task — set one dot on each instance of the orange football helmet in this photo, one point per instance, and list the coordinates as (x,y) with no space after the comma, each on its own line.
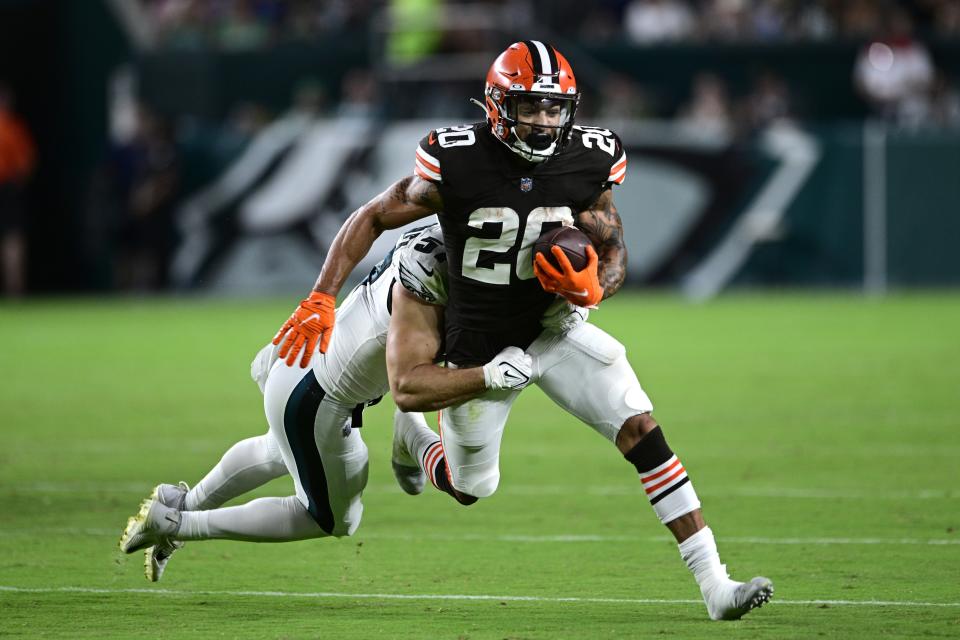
(530,71)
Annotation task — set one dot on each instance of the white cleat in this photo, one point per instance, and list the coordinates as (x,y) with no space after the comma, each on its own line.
(408,473)
(731,600)
(154,523)
(156,557)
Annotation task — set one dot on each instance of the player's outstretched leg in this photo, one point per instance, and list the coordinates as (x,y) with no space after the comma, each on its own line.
(675,502)
(422,447)
(248,464)
(261,520)
(156,557)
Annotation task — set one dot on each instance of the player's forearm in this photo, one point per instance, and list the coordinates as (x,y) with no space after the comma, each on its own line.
(612,269)
(429,387)
(406,200)
(603,226)
(349,247)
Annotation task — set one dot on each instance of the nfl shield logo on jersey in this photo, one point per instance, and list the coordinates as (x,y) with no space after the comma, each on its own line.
(526,184)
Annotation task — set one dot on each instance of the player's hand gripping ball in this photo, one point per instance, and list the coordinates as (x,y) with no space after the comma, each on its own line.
(565,263)
(571,241)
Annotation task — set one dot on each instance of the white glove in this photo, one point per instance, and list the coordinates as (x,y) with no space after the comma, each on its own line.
(509,369)
(561,316)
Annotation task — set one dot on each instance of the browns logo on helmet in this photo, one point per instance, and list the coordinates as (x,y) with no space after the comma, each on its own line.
(530,76)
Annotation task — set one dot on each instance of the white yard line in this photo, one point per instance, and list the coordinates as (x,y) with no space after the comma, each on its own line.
(626,489)
(79,487)
(58,531)
(444,596)
(830,541)
(561,538)
(534,538)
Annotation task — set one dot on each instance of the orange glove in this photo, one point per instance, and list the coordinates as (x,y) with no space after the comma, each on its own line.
(311,321)
(582,288)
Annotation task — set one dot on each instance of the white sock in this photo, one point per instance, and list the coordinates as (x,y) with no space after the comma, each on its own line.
(420,438)
(245,466)
(261,520)
(699,551)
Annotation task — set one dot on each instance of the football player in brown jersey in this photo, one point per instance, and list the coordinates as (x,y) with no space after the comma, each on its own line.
(496,186)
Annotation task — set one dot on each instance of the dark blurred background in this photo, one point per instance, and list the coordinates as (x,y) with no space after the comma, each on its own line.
(216,146)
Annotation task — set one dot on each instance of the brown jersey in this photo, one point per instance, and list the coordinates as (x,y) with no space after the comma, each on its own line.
(495,206)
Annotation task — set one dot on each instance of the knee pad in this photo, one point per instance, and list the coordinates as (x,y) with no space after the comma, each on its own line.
(349,523)
(274,455)
(624,394)
(481,482)
(591,378)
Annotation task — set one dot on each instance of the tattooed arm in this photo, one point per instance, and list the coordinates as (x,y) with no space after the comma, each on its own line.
(602,224)
(408,199)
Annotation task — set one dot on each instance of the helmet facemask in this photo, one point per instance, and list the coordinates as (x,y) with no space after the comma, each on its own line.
(543,120)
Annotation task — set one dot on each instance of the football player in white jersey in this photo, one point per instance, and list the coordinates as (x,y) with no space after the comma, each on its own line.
(496,186)
(314,416)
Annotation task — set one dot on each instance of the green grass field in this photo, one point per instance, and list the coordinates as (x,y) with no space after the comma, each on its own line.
(822,433)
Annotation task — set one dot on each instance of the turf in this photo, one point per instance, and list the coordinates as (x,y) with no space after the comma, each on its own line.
(820,430)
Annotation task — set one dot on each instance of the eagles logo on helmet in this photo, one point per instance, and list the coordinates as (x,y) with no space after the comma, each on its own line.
(537,75)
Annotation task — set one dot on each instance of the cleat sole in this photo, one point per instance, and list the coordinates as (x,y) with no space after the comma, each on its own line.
(133,524)
(760,598)
(148,571)
(762,592)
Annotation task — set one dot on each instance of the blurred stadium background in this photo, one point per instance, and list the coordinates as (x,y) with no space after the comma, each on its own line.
(165,164)
(216,146)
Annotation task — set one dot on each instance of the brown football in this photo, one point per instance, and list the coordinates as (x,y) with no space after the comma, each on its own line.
(570,239)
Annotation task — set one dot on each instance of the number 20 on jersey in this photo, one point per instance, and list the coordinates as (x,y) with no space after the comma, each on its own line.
(509,232)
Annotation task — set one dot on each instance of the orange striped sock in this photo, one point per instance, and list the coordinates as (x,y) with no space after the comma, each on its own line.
(664,478)
(434,464)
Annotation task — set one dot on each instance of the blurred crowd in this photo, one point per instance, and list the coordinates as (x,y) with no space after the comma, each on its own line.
(252,24)
(237,25)
(129,231)
(127,235)
(659,21)
(17,160)
(895,73)
(896,76)
(151,168)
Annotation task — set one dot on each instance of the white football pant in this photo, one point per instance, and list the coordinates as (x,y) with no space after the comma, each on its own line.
(584,371)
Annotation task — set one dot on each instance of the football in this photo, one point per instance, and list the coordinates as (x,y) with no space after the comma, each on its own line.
(573,242)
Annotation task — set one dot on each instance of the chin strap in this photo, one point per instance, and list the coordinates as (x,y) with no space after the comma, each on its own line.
(527,152)
(517,145)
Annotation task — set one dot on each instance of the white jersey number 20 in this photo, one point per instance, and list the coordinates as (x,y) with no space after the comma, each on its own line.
(509,231)
(602,138)
(456,136)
